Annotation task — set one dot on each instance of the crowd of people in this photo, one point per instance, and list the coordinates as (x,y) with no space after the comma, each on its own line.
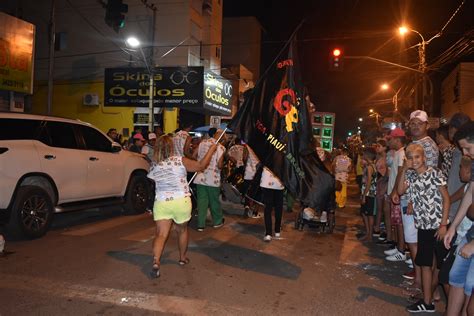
(174,158)
(416,192)
(416,197)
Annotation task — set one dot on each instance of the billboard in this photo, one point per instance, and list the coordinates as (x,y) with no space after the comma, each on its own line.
(217,93)
(16,54)
(186,87)
(172,87)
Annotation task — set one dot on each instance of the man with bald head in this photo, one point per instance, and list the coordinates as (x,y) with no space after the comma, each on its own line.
(208,182)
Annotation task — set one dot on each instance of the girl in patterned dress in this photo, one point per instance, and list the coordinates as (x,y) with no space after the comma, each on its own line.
(426,189)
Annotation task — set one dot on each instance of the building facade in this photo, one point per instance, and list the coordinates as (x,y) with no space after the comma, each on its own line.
(457,93)
(180,33)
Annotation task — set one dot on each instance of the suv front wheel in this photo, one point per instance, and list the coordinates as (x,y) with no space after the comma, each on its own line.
(138,194)
(32,212)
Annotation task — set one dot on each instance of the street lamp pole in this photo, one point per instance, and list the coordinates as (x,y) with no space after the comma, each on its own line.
(421,66)
(134,42)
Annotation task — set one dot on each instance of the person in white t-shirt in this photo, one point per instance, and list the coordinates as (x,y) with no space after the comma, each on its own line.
(208,182)
(172,197)
(182,141)
(149,149)
(272,195)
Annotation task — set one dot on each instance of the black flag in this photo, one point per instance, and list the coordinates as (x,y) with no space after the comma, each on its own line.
(274,121)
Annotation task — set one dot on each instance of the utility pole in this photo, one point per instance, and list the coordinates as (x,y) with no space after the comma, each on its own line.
(52,40)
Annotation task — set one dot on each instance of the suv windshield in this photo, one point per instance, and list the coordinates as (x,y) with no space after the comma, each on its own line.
(14,129)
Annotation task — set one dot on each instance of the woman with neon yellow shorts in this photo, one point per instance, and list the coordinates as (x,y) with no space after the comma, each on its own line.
(172,197)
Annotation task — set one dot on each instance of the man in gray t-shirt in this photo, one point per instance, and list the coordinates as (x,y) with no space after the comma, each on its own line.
(454,182)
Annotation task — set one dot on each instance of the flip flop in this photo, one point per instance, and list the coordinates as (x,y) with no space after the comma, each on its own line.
(184,262)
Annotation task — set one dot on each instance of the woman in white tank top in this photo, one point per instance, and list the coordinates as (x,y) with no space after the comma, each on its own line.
(172,197)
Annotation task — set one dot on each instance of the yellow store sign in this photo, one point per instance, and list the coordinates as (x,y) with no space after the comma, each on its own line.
(16,54)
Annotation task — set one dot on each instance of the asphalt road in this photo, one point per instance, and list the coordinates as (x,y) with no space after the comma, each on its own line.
(97,263)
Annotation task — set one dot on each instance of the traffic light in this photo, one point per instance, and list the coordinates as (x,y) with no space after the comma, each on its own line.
(114,14)
(336,60)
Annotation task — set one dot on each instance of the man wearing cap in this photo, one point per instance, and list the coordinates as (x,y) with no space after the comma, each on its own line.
(138,142)
(148,150)
(418,126)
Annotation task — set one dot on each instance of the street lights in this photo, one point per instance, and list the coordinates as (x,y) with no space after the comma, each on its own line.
(386,87)
(422,46)
(376,115)
(134,43)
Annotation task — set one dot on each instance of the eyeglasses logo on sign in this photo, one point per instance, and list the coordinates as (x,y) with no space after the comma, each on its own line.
(179,77)
(217,93)
(172,86)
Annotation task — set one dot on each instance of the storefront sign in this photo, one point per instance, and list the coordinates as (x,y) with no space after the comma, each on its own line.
(16,54)
(180,87)
(172,87)
(217,93)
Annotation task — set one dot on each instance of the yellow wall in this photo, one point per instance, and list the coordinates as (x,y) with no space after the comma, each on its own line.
(67,102)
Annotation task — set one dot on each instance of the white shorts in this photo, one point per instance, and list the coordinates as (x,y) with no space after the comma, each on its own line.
(409,230)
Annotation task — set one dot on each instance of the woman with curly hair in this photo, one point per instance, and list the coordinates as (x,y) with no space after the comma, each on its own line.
(172,197)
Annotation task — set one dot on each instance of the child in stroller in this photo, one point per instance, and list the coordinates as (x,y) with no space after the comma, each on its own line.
(322,220)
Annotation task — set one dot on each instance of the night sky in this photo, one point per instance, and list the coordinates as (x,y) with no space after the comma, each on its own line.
(359,27)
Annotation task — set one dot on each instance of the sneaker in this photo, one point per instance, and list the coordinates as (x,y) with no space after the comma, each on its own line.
(219,225)
(409,261)
(392,251)
(277,235)
(376,234)
(324,217)
(267,238)
(421,307)
(256,215)
(200,229)
(383,236)
(410,266)
(409,275)
(397,257)
(385,242)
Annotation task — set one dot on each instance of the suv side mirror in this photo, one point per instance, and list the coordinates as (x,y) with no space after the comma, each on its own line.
(116,147)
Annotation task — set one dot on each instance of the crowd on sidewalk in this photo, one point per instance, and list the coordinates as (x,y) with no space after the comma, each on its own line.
(422,189)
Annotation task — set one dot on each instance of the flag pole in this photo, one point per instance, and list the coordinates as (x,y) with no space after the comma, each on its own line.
(218,140)
(280,52)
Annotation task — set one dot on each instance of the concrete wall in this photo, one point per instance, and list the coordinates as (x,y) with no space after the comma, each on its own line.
(241,43)
(461,80)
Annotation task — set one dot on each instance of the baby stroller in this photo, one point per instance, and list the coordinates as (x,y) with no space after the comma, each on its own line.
(323,221)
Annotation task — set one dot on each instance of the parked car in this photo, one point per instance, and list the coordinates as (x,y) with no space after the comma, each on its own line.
(51,165)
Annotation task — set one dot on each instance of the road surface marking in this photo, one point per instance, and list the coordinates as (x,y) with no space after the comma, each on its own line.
(135,299)
(89,229)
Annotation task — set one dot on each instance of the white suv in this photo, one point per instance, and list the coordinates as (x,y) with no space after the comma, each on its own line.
(50,165)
